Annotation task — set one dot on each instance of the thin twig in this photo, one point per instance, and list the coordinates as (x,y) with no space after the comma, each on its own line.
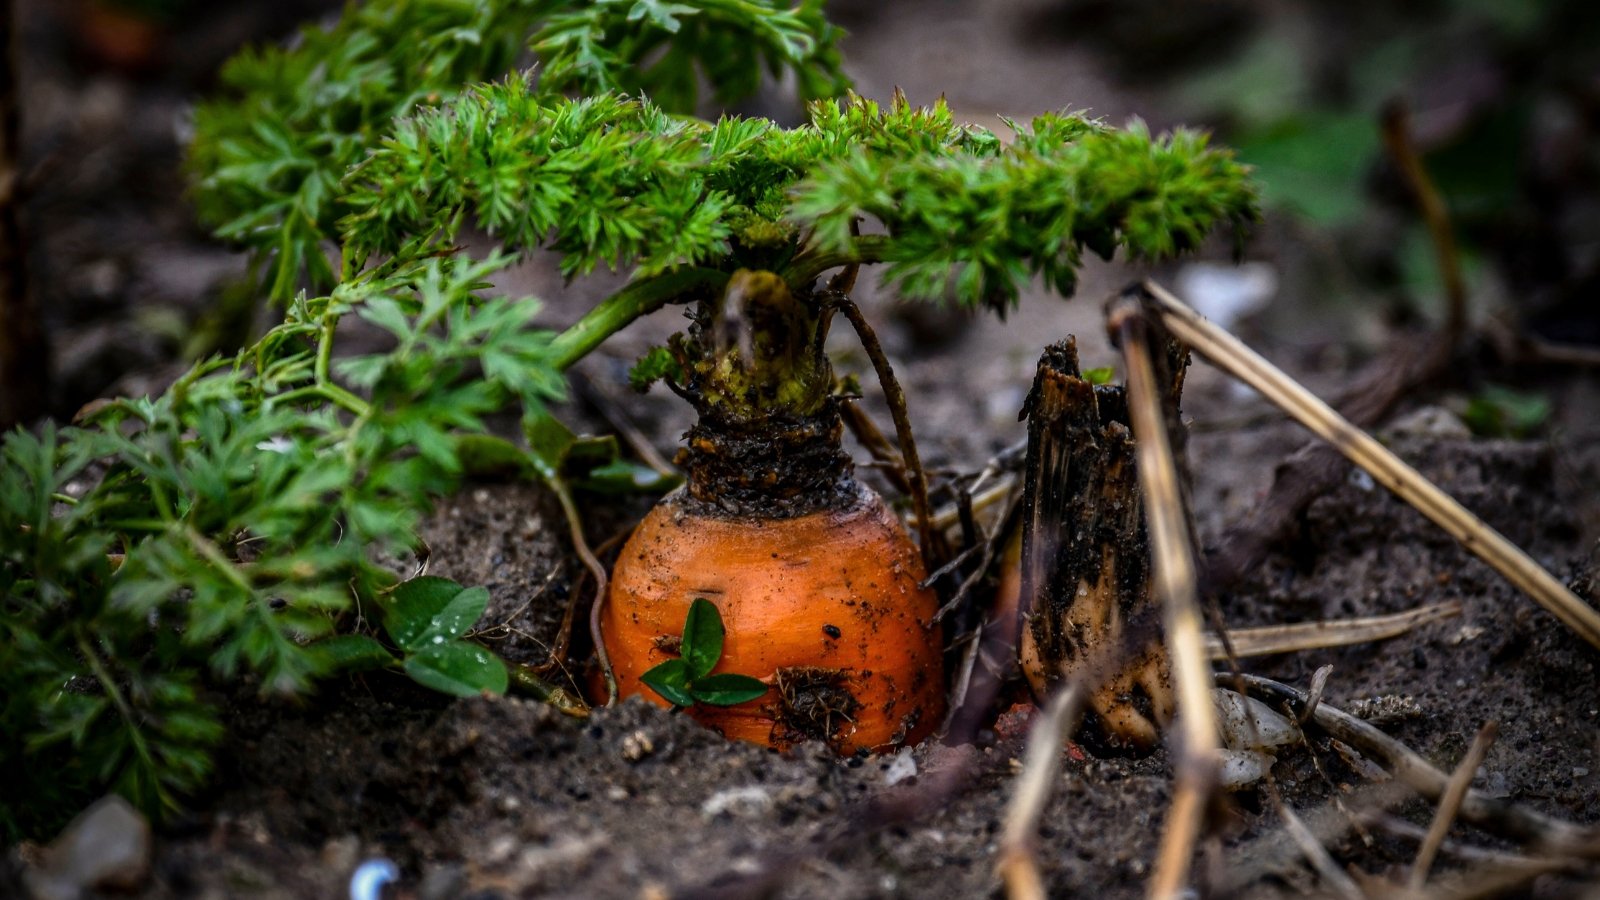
(872,440)
(1450,804)
(1496,816)
(1273,639)
(902,422)
(1397,138)
(1175,584)
(1465,852)
(561,650)
(1272,854)
(601,583)
(1314,852)
(1231,355)
(1319,683)
(1017,866)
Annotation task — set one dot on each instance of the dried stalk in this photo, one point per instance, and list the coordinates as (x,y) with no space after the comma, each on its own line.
(1397,139)
(1450,804)
(931,551)
(1314,852)
(1232,356)
(1508,820)
(1017,866)
(1175,585)
(602,583)
(1273,639)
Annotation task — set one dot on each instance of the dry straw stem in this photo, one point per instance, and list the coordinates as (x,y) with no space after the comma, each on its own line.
(902,424)
(1268,640)
(1403,151)
(602,583)
(1017,866)
(1519,823)
(1232,356)
(1450,804)
(1176,586)
(1314,852)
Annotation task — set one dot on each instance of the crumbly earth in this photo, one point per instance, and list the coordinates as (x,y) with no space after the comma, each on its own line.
(505,797)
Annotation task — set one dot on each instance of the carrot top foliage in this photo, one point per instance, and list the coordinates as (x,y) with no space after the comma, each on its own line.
(609,180)
(220,534)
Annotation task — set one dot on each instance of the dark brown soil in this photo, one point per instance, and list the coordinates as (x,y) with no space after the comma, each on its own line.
(506,798)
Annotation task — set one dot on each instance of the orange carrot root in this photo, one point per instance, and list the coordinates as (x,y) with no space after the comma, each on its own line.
(825,607)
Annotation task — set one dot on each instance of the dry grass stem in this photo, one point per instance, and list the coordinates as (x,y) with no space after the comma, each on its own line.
(1232,356)
(1175,584)
(602,583)
(1450,804)
(1508,820)
(930,538)
(1316,854)
(1017,866)
(946,517)
(1403,151)
(1268,640)
(1319,683)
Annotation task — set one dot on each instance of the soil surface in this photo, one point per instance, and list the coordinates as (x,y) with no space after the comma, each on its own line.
(506,797)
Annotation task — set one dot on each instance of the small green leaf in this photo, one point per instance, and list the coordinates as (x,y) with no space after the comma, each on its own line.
(657,364)
(727,689)
(702,638)
(428,611)
(625,477)
(549,442)
(458,667)
(487,456)
(1498,411)
(1101,375)
(350,653)
(671,680)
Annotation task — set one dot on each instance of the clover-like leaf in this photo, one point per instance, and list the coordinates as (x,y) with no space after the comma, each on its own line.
(702,638)
(458,667)
(727,689)
(671,680)
(430,611)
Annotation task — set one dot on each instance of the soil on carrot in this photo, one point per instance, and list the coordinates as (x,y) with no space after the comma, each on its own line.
(506,797)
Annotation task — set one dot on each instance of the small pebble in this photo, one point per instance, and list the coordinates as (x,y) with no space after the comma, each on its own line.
(902,767)
(751,800)
(107,847)
(637,746)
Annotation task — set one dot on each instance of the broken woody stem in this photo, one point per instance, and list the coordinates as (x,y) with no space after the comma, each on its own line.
(1232,356)
(1175,584)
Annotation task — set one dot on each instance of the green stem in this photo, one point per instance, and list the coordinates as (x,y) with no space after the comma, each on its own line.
(526,680)
(211,553)
(864,249)
(330,392)
(618,310)
(114,693)
(330,321)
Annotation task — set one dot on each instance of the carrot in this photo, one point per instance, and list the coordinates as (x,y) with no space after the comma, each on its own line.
(816,581)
